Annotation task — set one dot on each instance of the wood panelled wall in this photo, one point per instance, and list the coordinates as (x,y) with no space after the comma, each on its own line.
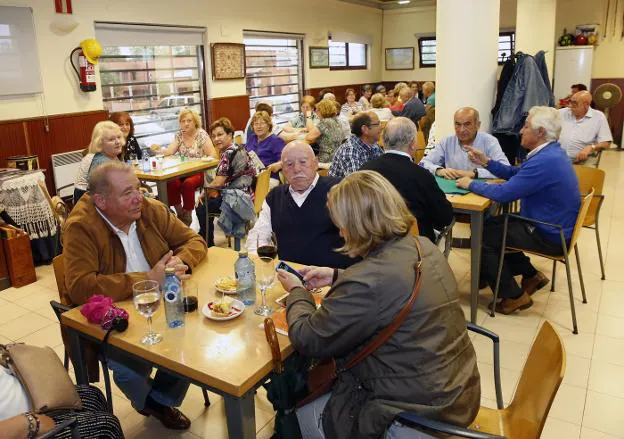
(235,108)
(616,113)
(59,133)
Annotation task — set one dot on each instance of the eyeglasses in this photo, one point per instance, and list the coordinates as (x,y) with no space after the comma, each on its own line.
(373,125)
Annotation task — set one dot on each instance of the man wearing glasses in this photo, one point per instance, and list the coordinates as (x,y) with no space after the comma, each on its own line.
(584,131)
(449,159)
(359,148)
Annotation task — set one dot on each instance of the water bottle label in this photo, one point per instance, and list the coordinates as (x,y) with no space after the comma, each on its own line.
(172,293)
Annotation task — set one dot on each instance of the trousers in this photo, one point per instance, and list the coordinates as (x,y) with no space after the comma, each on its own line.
(187,187)
(133,378)
(520,234)
(214,206)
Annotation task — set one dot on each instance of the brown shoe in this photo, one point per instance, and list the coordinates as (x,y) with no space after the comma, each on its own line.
(171,418)
(508,306)
(535,283)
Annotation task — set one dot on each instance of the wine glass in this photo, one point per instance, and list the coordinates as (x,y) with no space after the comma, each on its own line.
(147,300)
(265,277)
(268,247)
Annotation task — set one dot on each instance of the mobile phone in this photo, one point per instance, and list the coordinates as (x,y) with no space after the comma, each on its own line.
(284,266)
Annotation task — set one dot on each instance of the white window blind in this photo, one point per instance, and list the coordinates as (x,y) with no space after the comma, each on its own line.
(119,34)
(19,59)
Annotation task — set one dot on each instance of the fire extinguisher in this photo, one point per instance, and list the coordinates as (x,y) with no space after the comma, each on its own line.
(88,54)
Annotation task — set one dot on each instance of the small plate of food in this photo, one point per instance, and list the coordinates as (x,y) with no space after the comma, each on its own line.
(227,285)
(226,309)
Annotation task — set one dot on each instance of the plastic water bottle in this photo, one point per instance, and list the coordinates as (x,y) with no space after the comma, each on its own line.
(173,297)
(146,164)
(245,271)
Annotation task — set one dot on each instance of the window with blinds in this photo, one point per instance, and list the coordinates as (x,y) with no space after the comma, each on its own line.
(273,69)
(151,80)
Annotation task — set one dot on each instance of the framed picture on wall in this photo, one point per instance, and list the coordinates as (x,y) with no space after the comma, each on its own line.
(400,58)
(319,57)
(228,60)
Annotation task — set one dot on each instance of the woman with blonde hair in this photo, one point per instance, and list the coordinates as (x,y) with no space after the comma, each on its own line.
(106,144)
(378,103)
(427,365)
(194,142)
(330,129)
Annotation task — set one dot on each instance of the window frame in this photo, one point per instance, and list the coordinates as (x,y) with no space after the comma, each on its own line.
(348,67)
(153,110)
(510,33)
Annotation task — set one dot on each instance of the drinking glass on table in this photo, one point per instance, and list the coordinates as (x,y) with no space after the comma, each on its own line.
(265,276)
(267,247)
(147,300)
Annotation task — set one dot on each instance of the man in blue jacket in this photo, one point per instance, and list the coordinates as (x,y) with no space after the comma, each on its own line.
(548,189)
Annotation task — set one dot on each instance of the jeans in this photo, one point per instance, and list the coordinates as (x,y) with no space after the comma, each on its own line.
(214,206)
(133,379)
(520,234)
(310,422)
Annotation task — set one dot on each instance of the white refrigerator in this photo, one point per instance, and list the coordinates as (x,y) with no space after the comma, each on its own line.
(573,65)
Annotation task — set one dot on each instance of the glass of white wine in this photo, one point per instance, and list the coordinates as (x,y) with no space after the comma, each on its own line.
(147,300)
(265,275)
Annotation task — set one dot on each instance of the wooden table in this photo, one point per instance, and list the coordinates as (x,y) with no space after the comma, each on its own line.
(475,206)
(231,358)
(174,169)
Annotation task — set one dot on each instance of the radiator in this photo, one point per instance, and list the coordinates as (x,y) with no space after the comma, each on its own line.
(64,169)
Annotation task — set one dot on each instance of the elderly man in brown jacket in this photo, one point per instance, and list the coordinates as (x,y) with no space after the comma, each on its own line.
(113,238)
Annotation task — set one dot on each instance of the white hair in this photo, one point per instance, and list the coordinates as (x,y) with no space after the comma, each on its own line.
(547,118)
(399,134)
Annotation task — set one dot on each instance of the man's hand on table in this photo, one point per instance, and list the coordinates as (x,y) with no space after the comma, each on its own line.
(157,272)
(453,174)
(464,182)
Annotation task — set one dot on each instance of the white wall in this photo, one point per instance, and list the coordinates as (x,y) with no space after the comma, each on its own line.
(400,25)
(224,21)
(609,53)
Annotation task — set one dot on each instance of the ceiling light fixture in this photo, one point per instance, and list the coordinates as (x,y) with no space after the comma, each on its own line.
(403,2)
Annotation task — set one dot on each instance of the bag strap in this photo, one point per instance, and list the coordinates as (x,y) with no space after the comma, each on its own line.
(384,335)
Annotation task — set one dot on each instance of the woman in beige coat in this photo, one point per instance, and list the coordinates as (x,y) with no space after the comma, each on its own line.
(428,365)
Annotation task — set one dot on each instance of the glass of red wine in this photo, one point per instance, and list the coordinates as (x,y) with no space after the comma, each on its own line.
(267,247)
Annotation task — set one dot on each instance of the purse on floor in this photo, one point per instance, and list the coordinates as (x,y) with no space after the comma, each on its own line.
(42,375)
(322,376)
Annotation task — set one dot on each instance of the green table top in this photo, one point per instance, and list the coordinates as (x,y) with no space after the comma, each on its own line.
(450,186)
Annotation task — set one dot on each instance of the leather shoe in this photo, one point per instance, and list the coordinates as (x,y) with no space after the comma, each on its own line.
(170,417)
(508,306)
(535,283)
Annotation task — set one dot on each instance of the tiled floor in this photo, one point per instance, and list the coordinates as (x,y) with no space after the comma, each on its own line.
(590,402)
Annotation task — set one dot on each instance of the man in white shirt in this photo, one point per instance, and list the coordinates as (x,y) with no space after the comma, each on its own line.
(297,215)
(584,131)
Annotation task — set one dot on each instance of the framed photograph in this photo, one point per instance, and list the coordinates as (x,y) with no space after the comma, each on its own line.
(400,58)
(228,60)
(319,57)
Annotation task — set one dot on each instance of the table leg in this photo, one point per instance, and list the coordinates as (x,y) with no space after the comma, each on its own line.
(161,186)
(476,242)
(78,357)
(241,416)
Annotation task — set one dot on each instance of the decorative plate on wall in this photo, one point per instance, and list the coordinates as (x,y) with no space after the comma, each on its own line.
(228,60)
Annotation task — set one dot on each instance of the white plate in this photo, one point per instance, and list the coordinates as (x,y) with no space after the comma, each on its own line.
(236,310)
(224,291)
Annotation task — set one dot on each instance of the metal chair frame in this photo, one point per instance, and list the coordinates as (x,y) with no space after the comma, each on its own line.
(564,258)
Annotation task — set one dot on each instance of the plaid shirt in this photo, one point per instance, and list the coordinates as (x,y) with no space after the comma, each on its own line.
(351,155)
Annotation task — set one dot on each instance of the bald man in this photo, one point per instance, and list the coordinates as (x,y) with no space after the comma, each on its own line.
(297,214)
(584,131)
(449,158)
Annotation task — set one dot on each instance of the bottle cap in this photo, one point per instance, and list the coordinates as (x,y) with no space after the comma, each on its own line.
(170,270)
(242,253)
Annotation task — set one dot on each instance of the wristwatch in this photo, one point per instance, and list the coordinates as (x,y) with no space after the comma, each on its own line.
(593,147)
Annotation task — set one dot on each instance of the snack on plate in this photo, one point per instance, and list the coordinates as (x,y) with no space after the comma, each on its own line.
(227,284)
(222,309)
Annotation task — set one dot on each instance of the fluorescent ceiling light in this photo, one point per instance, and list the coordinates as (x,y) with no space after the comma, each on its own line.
(403,2)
